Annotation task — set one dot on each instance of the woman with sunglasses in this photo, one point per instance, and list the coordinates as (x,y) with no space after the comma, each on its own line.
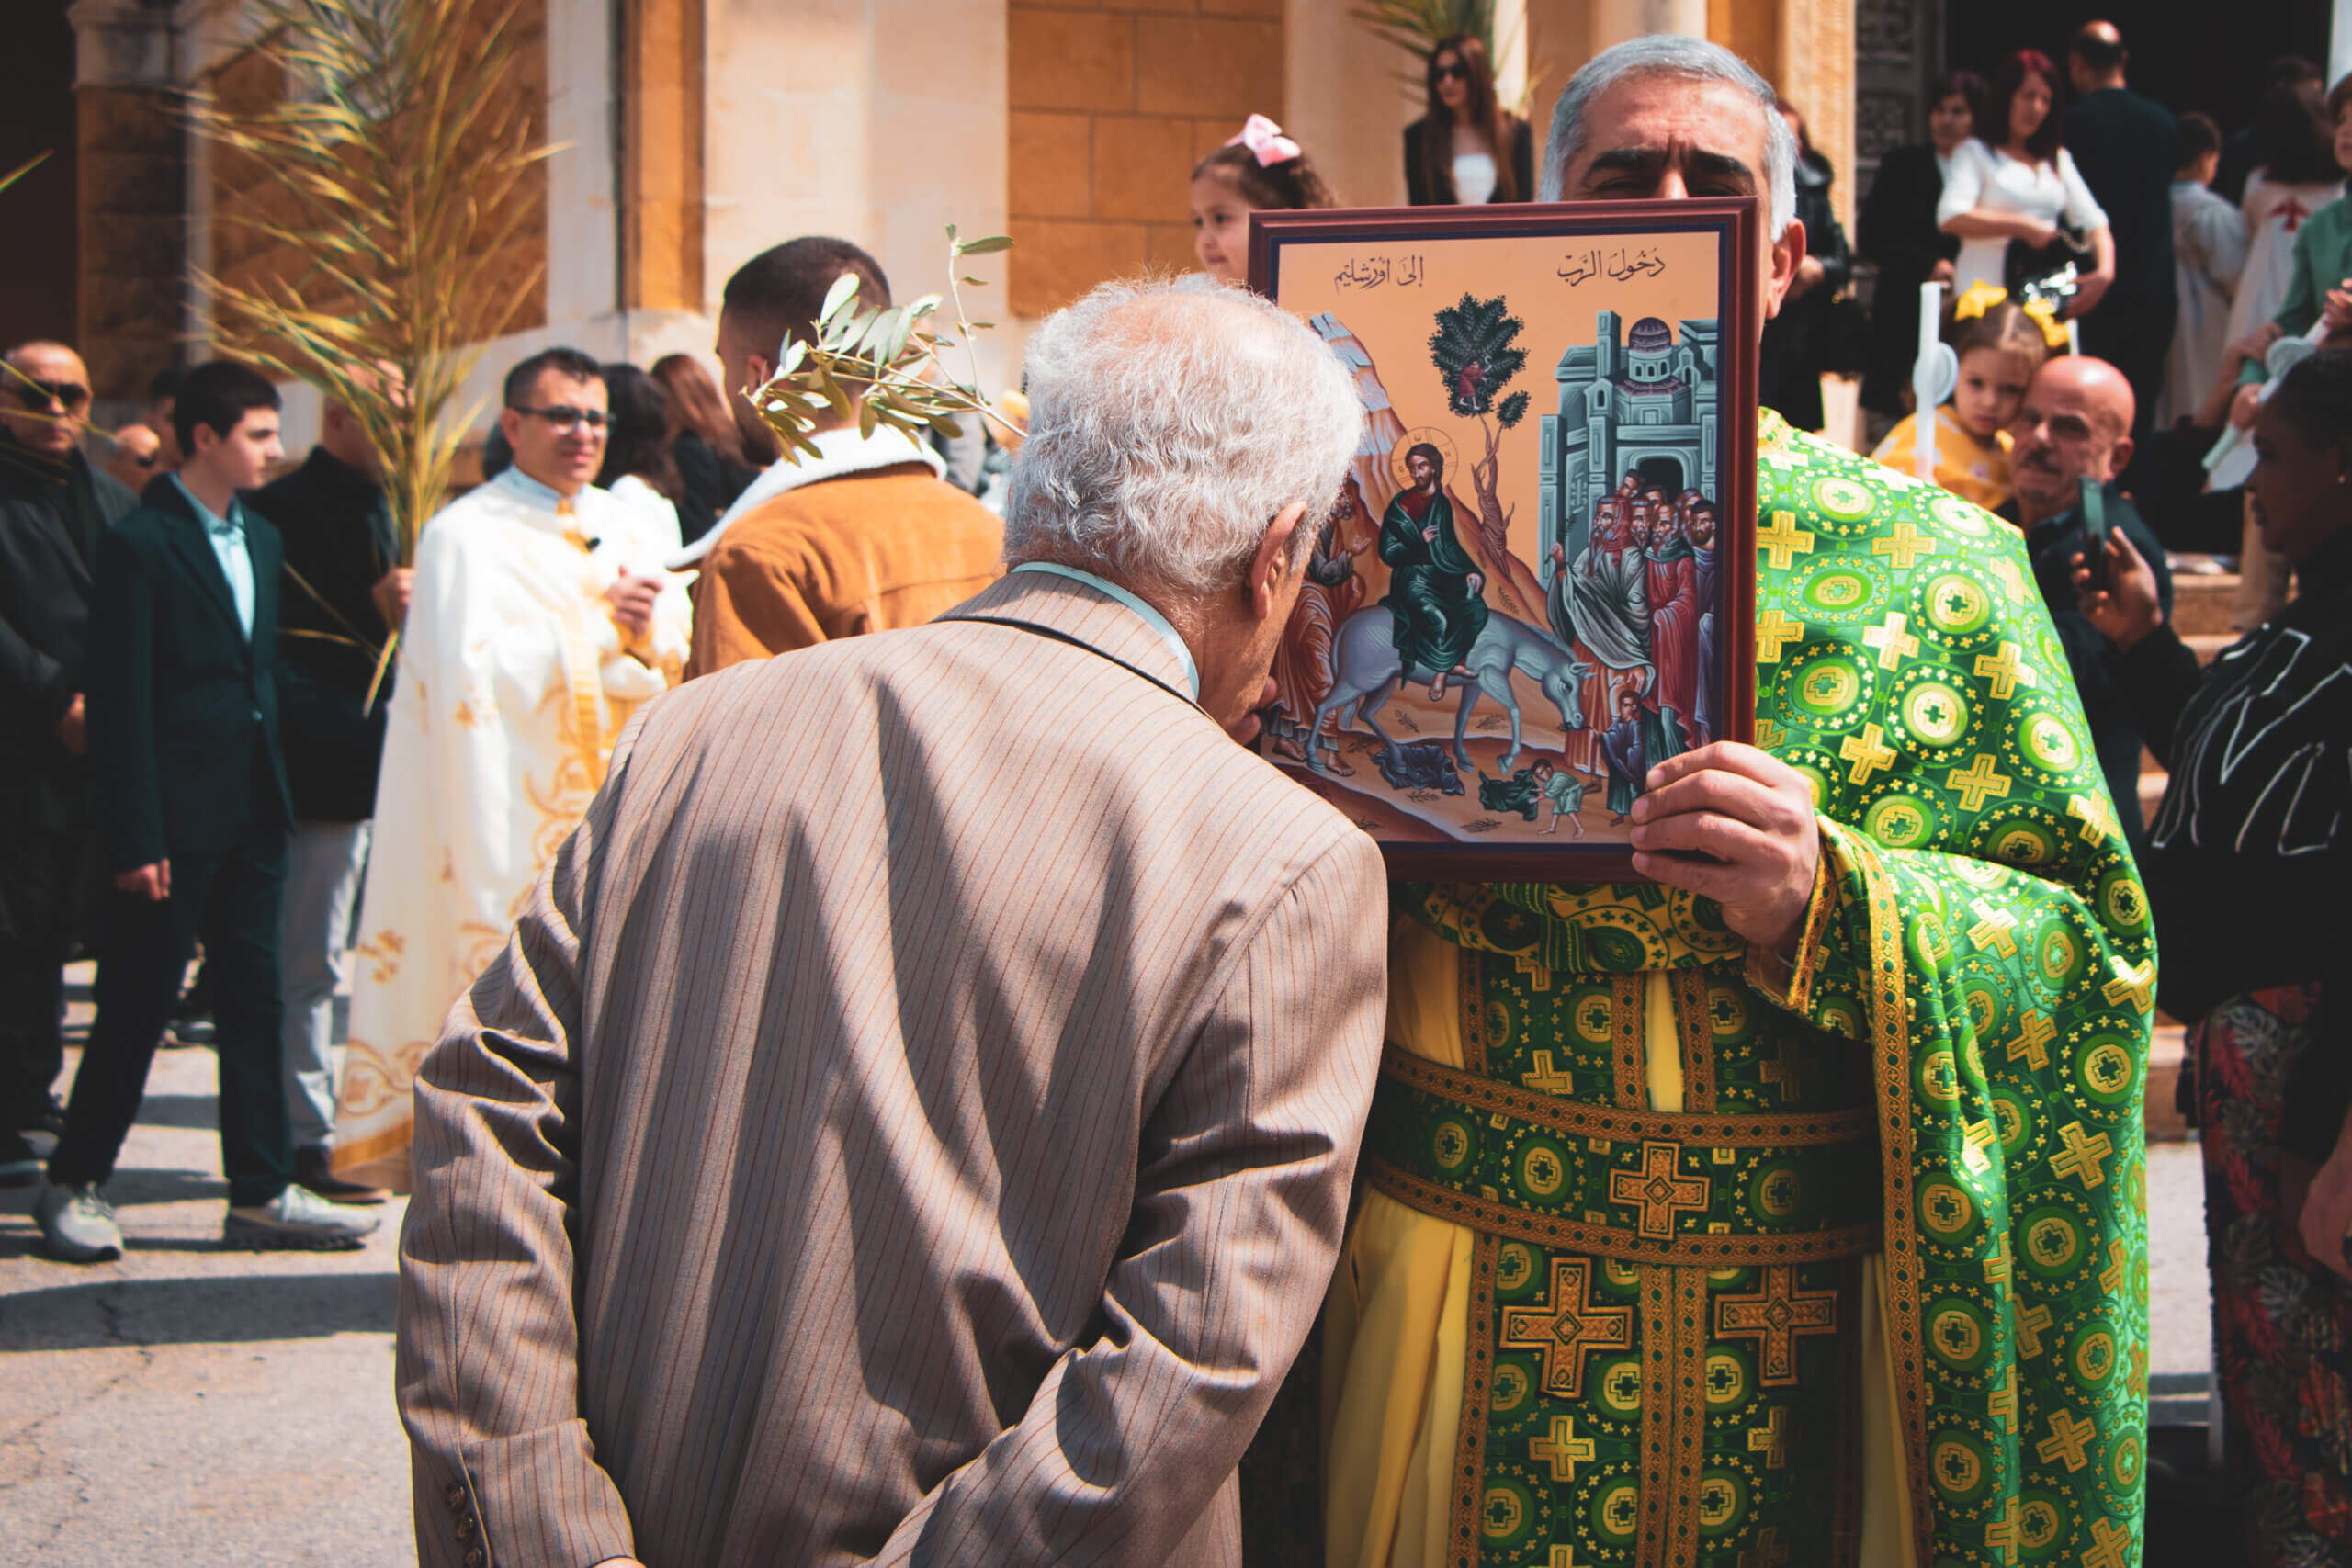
(1468,149)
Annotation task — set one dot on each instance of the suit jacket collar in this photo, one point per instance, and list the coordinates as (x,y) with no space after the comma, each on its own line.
(33,479)
(185,532)
(1076,611)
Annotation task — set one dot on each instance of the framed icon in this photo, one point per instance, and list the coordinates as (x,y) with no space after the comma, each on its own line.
(1540,579)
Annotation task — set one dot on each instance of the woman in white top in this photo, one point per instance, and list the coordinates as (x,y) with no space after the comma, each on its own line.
(1468,149)
(639,468)
(2013,181)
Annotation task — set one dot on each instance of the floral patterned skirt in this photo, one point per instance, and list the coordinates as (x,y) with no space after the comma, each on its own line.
(2282,1323)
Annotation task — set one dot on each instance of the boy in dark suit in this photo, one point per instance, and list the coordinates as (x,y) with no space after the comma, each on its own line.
(193,810)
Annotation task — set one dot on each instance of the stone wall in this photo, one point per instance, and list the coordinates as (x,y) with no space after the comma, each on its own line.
(1111,106)
(131,174)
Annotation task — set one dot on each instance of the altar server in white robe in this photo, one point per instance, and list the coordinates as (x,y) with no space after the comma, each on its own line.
(540,617)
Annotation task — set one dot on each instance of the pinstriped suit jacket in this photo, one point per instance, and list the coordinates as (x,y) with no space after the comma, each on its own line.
(913,1121)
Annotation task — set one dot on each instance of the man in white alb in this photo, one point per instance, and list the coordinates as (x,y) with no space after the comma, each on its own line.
(539,620)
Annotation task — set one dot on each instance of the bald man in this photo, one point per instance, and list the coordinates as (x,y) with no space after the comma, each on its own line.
(2076,424)
(53,506)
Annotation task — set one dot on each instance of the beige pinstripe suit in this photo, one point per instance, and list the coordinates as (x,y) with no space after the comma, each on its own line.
(914,1120)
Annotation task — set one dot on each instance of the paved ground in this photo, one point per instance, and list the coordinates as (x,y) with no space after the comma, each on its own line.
(195,1407)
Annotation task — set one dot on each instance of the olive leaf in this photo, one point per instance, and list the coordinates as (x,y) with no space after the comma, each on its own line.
(881,365)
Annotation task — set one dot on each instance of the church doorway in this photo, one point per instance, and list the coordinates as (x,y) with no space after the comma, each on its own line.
(1664,472)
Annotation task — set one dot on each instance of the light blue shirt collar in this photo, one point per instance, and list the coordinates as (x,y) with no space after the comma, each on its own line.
(532,490)
(1151,617)
(216,525)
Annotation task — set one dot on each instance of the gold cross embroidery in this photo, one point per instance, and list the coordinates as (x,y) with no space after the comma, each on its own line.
(1977,781)
(1563,1451)
(1976,1137)
(1539,974)
(2110,1545)
(1658,1190)
(1790,1069)
(1567,1326)
(1769,1553)
(2135,981)
(1545,1078)
(2083,1156)
(2011,579)
(2003,1401)
(1894,644)
(2068,1437)
(1868,752)
(2096,814)
(2035,1032)
(1774,1317)
(1784,541)
(1768,735)
(2001,1534)
(1903,545)
(1771,1439)
(1774,630)
(2006,670)
(1992,928)
(2118,1264)
(1998,1262)
(2030,1323)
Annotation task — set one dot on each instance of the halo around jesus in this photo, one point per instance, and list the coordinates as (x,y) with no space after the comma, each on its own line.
(1419,436)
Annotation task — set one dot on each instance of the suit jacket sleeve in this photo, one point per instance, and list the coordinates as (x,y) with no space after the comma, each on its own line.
(119,679)
(32,685)
(1241,1198)
(487,1374)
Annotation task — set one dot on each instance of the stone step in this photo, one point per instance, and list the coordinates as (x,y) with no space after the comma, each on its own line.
(2202,603)
(2167,1050)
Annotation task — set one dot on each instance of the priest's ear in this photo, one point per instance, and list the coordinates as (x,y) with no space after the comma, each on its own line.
(1781,259)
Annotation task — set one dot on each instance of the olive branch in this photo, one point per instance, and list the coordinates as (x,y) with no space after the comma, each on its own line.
(881,366)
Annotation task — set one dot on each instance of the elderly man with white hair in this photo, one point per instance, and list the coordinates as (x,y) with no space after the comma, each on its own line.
(913,1121)
(1789,1211)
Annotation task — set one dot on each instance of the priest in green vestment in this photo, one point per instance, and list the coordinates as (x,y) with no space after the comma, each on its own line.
(1434,582)
(1789,1210)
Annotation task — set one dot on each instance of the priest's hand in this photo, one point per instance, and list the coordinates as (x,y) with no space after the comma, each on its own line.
(152,882)
(1737,825)
(2326,1217)
(391,595)
(632,601)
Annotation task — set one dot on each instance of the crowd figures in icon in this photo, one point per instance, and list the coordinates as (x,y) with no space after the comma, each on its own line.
(1638,605)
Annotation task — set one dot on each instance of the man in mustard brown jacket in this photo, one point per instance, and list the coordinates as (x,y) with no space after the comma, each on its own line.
(864,537)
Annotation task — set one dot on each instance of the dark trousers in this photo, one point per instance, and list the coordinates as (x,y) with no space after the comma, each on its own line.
(32,1004)
(232,902)
(2134,336)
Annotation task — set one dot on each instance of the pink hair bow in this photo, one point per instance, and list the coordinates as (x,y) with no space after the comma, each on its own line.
(1265,141)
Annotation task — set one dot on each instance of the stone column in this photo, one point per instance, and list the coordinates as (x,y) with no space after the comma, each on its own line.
(131,176)
(1816,74)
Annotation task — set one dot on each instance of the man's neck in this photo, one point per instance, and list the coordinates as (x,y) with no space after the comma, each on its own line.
(2032,516)
(563,486)
(2101,84)
(213,494)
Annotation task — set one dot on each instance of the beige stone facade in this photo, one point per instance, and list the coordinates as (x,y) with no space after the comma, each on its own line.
(698,132)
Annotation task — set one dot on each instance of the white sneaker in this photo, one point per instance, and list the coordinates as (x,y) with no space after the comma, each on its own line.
(296,1219)
(78,1223)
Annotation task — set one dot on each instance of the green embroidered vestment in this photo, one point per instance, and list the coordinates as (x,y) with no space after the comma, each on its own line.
(1666,1311)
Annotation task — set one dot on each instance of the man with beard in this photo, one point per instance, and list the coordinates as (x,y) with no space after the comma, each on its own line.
(1433,583)
(1601,602)
(2076,425)
(1785,1207)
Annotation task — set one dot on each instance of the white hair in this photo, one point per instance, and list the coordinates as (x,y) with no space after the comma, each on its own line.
(1671,54)
(1168,427)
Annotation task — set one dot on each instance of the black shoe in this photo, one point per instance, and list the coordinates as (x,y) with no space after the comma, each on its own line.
(311,1170)
(19,1165)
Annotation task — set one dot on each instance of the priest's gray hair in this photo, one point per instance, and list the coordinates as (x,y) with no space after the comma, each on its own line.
(1671,54)
(1168,426)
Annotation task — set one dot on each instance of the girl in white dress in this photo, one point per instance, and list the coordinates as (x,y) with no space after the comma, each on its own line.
(2298,175)
(2013,181)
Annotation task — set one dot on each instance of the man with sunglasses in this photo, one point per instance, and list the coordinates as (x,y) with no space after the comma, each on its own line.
(538,618)
(53,506)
